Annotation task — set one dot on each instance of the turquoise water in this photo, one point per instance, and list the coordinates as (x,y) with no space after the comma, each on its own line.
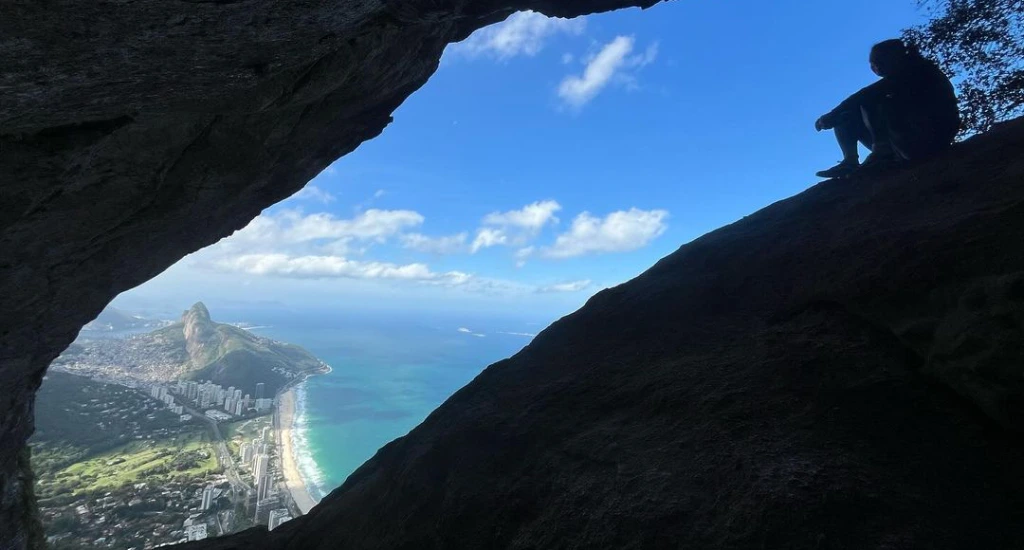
(387,377)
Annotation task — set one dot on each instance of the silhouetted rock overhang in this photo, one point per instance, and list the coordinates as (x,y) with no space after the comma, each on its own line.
(134,133)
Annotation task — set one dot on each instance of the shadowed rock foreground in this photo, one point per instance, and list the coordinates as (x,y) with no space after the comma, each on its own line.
(841,370)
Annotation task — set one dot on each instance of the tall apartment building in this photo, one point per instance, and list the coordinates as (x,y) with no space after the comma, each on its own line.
(207,497)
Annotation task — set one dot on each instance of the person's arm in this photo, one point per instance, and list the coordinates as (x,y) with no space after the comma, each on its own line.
(869,94)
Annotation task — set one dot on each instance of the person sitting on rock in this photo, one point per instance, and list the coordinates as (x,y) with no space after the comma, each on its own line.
(910,113)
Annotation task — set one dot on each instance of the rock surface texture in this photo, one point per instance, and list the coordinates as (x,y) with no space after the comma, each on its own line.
(134,133)
(840,370)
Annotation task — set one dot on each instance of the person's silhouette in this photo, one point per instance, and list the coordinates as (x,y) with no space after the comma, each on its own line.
(910,113)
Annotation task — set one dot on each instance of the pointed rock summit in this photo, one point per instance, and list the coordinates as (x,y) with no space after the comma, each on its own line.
(197,311)
(200,332)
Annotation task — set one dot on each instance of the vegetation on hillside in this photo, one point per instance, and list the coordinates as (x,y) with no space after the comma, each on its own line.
(77,418)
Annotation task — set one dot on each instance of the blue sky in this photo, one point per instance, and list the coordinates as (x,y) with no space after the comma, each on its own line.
(548,159)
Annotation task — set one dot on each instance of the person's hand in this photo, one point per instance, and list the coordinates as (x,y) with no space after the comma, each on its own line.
(823,123)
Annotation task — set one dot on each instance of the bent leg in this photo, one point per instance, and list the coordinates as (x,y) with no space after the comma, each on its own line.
(850,130)
(877,118)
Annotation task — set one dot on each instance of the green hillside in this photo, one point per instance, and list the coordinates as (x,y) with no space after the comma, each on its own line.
(231,356)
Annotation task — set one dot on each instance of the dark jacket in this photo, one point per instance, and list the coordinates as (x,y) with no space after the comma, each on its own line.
(921,88)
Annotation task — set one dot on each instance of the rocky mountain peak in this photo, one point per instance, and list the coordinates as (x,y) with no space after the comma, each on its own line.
(200,334)
(198,311)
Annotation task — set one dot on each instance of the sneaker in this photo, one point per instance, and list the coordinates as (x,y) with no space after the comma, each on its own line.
(843,169)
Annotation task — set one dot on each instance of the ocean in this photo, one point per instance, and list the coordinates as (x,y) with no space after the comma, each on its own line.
(388,375)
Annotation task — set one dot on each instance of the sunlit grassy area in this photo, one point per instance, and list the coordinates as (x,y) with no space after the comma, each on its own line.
(237,433)
(152,461)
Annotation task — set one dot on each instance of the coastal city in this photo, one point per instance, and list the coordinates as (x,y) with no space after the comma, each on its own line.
(178,434)
(225,465)
(252,469)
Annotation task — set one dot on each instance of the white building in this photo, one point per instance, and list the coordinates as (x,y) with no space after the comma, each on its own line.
(239,404)
(261,466)
(207,498)
(196,532)
(277,517)
(217,415)
(245,452)
(263,487)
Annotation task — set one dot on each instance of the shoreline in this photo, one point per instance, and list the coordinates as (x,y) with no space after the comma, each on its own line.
(293,481)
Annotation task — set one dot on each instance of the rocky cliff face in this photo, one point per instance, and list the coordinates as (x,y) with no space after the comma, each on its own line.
(200,334)
(132,134)
(840,370)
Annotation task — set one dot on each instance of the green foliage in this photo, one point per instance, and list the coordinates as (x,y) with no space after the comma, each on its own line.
(152,461)
(237,433)
(981,43)
(77,417)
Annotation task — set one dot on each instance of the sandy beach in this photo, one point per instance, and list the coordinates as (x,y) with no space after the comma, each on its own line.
(293,481)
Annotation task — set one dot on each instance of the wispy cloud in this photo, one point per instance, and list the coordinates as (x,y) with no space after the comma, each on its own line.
(613,63)
(314,193)
(522,254)
(369,201)
(301,267)
(488,237)
(574,286)
(620,231)
(450,244)
(524,33)
(292,226)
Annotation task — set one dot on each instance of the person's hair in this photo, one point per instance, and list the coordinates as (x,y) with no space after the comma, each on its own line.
(895,49)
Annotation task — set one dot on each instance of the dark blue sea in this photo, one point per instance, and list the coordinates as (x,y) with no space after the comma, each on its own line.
(389,373)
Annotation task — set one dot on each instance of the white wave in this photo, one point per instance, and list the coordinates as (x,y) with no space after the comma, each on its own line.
(526,334)
(312,476)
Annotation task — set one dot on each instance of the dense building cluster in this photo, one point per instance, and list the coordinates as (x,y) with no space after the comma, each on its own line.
(207,395)
(257,456)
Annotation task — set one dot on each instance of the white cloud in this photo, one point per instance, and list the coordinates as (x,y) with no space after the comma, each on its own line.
(451,244)
(531,217)
(369,202)
(526,334)
(488,237)
(574,286)
(291,227)
(515,227)
(567,58)
(314,193)
(465,330)
(284,265)
(646,58)
(522,254)
(620,231)
(523,33)
(612,63)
